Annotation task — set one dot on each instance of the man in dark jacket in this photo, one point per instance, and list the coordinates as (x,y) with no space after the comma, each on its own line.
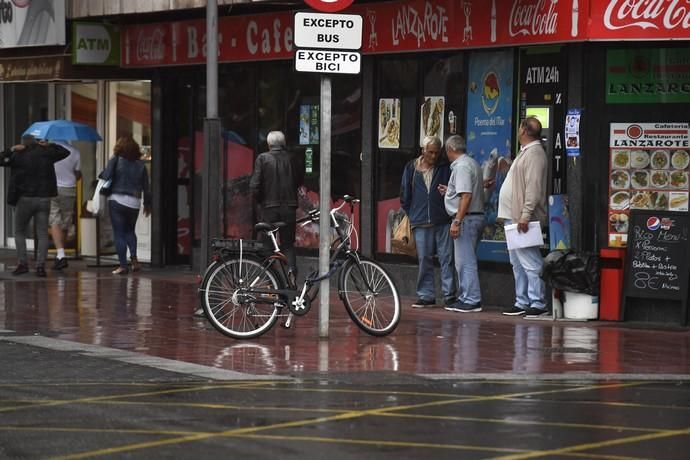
(274,184)
(421,195)
(33,180)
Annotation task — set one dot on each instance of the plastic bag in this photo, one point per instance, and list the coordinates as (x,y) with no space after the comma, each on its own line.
(95,205)
(572,272)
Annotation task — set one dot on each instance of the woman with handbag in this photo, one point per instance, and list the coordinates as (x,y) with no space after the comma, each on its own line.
(129,182)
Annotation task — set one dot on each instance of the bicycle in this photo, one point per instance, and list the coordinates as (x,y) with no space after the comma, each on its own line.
(247,287)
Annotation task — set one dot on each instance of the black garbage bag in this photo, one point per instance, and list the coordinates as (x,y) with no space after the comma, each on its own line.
(572,272)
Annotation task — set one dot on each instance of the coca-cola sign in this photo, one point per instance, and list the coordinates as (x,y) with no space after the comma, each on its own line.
(640,19)
(533,17)
(644,14)
(150,46)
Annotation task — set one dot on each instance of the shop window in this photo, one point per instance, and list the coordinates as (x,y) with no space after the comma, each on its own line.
(290,102)
(416,96)
(25,103)
(237,110)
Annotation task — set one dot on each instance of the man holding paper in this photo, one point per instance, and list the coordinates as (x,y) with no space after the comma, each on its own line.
(465,204)
(523,200)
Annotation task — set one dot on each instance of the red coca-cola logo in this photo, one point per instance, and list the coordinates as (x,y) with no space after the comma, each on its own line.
(151,47)
(533,17)
(644,14)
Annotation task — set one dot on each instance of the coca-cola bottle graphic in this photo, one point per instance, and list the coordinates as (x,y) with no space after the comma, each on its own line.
(493,21)
(576,14)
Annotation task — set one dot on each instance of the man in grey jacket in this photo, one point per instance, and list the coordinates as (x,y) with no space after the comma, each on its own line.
(522,200)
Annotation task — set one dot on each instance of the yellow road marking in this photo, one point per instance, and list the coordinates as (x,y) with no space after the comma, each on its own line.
(96,430)
(415,444)
(596,445)
(118,396)
(338,417)
(522,422)
(380,442)
(609,403)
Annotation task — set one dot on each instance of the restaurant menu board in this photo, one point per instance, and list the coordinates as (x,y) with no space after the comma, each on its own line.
(648,171)
(657,259)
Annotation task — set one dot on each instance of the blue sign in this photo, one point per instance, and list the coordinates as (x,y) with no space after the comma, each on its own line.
(489,132)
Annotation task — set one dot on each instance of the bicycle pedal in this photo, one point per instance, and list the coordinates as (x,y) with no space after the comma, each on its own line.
(288,322)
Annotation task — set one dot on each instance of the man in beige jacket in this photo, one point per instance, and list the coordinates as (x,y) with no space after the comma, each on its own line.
(523,200)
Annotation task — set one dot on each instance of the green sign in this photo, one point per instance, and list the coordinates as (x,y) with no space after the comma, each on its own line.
(648,75)
(95,43)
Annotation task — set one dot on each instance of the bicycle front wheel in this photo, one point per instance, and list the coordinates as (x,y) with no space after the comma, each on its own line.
(230,307)
(370,297)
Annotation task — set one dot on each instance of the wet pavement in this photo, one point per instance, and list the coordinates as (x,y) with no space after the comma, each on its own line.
(93,364)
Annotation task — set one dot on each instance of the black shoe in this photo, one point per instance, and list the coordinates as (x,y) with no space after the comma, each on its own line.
(41,271)
(60,264)
(20,270)
(531,311)
(421,303)
(464,307)
(514,311)
(450,300)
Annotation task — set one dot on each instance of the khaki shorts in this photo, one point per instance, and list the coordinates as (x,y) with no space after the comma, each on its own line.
(62,207)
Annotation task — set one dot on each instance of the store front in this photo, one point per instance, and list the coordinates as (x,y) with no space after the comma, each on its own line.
(420,75)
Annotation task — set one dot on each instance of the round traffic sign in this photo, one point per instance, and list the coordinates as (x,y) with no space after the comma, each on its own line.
(329,6)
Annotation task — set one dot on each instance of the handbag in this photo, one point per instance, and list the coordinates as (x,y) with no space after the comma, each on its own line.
(403,239)
(95,204)
(106,187)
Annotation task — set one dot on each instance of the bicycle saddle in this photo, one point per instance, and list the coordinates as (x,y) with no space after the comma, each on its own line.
(266,227)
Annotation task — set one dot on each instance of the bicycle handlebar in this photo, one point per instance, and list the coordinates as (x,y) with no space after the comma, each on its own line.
(315,214)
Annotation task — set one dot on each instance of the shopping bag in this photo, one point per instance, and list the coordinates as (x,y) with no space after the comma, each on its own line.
(95,205)
(403,239)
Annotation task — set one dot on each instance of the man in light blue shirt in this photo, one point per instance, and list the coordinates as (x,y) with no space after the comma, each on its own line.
(464,202)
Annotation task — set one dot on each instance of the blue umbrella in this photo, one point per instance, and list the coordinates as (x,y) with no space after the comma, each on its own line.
(63,130)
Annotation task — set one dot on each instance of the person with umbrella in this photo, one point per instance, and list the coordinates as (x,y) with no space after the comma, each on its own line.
(68,172)
(32,185)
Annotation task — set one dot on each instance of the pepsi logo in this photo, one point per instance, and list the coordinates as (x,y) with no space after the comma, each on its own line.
(634,131)
(653,223)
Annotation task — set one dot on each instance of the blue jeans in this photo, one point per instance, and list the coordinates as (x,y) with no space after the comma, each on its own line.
(124,220)
(430,241)
(529,287)
(466,258)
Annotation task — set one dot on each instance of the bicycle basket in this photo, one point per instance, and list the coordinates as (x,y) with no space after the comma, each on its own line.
(233,246)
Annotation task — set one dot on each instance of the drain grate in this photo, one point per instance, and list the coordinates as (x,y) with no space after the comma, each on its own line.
(564,350)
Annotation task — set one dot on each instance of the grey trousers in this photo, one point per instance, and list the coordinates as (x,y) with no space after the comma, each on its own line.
(38,208)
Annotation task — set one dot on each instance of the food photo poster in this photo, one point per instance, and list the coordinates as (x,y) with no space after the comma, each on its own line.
(649,170)
(389,123)
(431,119)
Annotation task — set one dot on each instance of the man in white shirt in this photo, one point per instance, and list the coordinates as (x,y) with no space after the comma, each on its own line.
(68,172)
(523,199)
(464,202)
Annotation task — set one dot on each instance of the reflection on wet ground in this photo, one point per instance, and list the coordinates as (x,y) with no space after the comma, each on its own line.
(151,313)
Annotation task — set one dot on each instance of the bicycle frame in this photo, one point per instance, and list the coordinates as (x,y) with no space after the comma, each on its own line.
(342,252)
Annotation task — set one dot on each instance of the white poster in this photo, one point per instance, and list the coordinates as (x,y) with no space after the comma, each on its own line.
(389,123)
(431,120)
(32,23)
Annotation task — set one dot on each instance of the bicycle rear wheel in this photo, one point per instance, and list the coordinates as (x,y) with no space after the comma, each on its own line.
(370,297)
(231,309)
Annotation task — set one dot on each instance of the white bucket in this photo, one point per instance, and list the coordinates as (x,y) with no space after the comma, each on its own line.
(580,306)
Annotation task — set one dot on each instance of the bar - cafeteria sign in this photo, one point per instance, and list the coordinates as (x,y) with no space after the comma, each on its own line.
(417,25)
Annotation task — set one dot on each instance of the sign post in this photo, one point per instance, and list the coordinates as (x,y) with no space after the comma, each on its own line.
(325,43)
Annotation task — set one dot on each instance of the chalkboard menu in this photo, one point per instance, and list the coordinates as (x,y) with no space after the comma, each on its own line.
(657,255)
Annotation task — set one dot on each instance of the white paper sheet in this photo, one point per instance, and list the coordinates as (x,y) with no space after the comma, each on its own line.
(532,237)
